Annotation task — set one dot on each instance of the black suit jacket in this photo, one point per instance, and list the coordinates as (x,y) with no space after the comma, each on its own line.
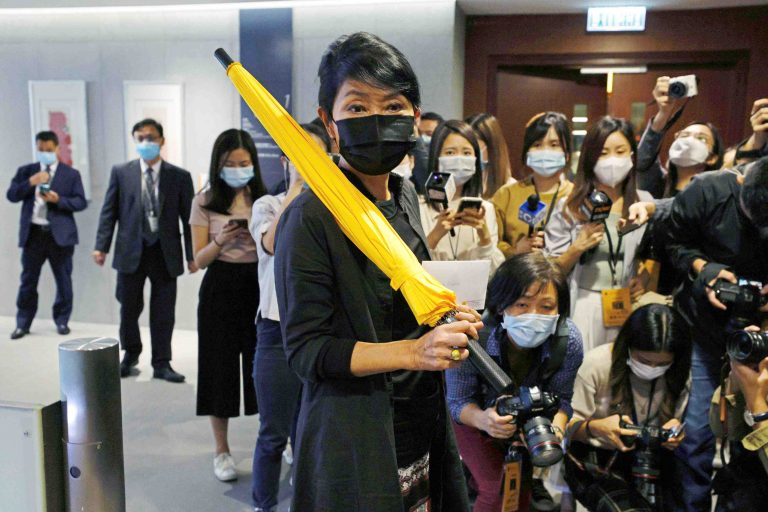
(123,206)
(67,183)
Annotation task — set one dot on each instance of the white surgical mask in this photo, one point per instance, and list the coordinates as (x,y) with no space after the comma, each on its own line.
(646,372)
(688,151)
(461,167)
(426,138)
(612,170)
(530,330)
(404,170)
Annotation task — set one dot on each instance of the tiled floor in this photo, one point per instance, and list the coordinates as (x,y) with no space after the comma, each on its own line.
(168,450)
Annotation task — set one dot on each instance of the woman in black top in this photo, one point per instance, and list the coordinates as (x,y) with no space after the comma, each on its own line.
(373,429)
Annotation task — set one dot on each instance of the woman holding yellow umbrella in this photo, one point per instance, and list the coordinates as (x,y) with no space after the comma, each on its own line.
(373,429)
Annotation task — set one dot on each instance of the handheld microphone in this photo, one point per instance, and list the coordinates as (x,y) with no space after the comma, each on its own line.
(440,187)
(532,212)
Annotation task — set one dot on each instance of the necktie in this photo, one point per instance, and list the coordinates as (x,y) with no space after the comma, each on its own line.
(151,207)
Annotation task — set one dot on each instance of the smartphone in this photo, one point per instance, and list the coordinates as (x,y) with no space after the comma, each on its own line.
(470,203)
(628,228)
(45,188)
(243,223)
(676,431)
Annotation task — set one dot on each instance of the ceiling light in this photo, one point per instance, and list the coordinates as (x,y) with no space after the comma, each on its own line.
(615,69)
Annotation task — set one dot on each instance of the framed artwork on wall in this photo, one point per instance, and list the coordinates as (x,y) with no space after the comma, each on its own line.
(163,102)
(61,107)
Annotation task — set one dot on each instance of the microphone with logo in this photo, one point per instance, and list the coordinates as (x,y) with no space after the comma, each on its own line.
(532,212)
(440,188)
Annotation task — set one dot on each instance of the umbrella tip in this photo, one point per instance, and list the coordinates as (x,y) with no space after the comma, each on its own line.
(223,57)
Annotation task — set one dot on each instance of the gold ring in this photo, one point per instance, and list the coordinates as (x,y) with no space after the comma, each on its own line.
(456,355)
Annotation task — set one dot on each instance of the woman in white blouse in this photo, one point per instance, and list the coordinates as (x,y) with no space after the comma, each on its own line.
(461,231)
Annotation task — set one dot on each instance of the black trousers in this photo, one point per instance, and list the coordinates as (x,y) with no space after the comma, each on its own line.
(226,334)
(40,247)
(162,305)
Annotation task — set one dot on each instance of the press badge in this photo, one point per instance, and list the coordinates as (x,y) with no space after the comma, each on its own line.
(511,490)
(617,306)
(154,225)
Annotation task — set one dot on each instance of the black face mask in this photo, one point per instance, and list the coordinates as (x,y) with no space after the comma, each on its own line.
(376,144)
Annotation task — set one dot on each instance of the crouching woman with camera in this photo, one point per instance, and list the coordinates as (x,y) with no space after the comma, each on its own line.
(627,398)
(536,346)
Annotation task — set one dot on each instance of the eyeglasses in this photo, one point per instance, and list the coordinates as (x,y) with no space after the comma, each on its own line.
(698,136)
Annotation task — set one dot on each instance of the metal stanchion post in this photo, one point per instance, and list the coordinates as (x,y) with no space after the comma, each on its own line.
(93,425)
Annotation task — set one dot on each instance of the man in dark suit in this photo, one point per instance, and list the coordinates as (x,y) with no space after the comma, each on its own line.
(147,198)
(50,192)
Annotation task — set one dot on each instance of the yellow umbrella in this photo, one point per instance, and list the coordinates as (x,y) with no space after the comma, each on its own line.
(359,219)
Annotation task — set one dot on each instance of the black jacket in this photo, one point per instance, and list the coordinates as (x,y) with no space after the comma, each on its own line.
(123,206)
(706,222)
(345,453)
(68,184)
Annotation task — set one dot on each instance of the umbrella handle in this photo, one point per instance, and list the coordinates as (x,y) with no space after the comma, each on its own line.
(223,58)
(483,363)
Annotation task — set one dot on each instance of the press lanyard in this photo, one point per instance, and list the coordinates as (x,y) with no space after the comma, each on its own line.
(650,403)
(551,205)
(613,258)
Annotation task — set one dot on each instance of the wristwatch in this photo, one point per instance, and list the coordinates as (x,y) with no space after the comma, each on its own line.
(750,419)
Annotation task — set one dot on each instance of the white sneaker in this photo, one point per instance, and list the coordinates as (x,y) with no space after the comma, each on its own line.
(224,467)
(288,454)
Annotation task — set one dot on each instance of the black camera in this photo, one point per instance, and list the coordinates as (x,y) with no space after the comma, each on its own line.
(742,299)
(646,467)
(596,206)
(533,411)
(748,347)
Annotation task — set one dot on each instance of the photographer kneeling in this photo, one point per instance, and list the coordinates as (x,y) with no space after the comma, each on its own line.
(627,398)
(536,345)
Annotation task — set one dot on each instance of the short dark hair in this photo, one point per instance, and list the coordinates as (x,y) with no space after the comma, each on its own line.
(148,122)
(221,195)
(320,132)
(537,129)
(474,187)
(432,116)
(517,274)
(369,59)
(754,192)
(47,136)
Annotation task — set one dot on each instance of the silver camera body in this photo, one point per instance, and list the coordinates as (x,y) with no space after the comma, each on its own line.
(683,86)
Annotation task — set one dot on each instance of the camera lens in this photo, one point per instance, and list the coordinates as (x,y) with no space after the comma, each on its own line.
(748,347)
(542,442)
(678,90)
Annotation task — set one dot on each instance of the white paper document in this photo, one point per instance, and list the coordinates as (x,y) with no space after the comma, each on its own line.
(469,279)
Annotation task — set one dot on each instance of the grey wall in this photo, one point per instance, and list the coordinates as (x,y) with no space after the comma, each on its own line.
(106,49)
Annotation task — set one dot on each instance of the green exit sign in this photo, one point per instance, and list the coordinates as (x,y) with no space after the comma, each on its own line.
(616,19)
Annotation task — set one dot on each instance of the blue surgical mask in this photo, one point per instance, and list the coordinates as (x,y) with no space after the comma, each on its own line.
(148,151)
(546,162)
(530,330)
(237,177)
(46,157)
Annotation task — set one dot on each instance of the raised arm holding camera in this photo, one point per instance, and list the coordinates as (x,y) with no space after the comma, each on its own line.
(718,238)
(628,400)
